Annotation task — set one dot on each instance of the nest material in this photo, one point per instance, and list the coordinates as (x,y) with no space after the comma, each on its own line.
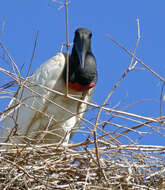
(79,167)
(101,162)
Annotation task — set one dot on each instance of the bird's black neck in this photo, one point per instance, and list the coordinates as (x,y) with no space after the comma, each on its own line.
(82,76)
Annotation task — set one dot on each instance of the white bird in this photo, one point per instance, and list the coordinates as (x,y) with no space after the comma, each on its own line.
(38,115)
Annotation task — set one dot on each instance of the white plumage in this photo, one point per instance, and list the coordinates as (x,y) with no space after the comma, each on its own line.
(50,124)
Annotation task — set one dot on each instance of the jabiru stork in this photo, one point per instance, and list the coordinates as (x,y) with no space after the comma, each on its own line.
(34,119)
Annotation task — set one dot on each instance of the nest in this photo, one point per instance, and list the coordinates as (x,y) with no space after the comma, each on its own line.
(77,166)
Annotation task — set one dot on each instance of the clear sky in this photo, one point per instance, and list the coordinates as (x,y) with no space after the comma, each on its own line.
(22,19)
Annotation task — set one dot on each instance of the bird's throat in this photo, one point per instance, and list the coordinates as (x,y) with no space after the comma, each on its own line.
(79,87)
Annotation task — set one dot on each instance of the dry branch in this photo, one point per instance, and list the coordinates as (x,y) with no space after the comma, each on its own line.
(102,160)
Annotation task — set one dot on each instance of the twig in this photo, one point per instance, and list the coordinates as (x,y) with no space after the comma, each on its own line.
(14,66)
(67,46)
(131,66)
(137,59)
(33,53)
(11,75)
(161,97)
(2,26)
(19,167)
(113,89)
(31,61)
(65,4)
(128,69)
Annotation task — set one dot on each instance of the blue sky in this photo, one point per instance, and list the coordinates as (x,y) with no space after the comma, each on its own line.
(117,18)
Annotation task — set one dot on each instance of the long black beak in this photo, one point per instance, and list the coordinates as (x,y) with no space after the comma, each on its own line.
(81,50)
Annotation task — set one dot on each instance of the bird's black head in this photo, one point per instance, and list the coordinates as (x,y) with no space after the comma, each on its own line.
(82,44)
(82,63)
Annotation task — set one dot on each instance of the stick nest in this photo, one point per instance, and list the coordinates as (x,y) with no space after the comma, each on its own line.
(76,167)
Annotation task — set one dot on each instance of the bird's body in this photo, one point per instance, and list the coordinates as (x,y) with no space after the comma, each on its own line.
(39,115)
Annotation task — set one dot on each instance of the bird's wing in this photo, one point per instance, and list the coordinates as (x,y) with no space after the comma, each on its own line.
(25,103)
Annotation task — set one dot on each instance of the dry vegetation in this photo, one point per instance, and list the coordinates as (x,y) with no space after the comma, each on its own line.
(102,161)
(77,167)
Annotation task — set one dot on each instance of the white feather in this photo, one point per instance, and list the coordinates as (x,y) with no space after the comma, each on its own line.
(26,124)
